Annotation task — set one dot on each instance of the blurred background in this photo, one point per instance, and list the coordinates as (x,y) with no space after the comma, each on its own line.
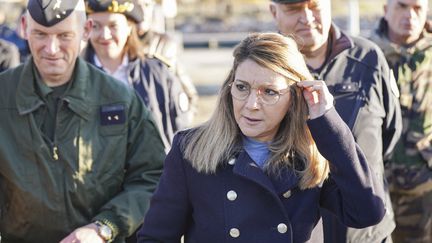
(207,31)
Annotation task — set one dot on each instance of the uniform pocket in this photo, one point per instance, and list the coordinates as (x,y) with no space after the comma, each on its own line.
(113,130)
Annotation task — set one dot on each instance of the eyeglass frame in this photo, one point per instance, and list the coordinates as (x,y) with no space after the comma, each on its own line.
(258,92)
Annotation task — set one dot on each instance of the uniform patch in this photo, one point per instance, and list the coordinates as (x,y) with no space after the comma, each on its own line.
(393,85)
(183,102)
(112,114)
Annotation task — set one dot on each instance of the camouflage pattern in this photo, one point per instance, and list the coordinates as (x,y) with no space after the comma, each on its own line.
(412,67)
(410,171)
(412,208)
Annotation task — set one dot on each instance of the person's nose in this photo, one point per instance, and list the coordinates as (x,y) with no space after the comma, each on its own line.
(410,13)
(307,16)
(106,32)
(52,45)
(252,101)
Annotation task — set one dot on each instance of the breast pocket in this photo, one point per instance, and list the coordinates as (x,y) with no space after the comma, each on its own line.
(349,100)
(103,144)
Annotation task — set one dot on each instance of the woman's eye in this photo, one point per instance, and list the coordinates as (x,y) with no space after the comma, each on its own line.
(242,87)
(270,92)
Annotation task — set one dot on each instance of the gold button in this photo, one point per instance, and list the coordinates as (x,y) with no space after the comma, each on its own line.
(234,232)
(282,228)
(231,161)
(232,195)
(287,194)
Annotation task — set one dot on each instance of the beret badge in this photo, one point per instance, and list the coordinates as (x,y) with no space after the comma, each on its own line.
(115,7)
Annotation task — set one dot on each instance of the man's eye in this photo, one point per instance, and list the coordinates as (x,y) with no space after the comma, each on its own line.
(39,35)
(402,6)
(417,9)
(66,36)
(291,10)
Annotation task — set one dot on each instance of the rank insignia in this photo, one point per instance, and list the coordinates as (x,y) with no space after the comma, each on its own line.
(112,114)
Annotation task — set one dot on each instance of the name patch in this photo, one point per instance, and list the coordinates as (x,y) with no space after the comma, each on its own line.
(112,114)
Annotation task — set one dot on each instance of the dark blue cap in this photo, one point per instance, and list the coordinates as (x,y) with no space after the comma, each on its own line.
(50,12)
(130,8)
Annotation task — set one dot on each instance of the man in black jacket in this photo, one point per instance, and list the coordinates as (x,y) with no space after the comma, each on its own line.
(365,92)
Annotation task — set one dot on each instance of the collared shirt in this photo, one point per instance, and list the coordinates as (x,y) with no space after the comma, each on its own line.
(46,117)
(121,73)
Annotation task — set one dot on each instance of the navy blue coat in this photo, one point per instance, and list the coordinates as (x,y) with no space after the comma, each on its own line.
(161,93)
(240,203)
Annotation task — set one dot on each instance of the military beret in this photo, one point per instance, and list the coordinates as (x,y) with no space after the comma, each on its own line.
(50,12)
(130,8)
(289,1)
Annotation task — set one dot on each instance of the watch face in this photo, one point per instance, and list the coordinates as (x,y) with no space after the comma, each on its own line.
(105,232)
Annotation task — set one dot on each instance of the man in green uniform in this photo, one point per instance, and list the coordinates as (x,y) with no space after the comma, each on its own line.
(407,45)
(357,75)
(80,156)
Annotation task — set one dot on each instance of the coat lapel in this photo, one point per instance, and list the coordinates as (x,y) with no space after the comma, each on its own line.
(246,168)
(287,181)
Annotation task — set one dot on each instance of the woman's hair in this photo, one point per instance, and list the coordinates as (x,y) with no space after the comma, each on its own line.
(133,46)
(218,139)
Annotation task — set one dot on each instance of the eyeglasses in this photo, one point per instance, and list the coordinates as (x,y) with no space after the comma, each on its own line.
(241,90)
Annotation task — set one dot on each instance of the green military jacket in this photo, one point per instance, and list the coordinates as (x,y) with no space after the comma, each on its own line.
(412,67)
(104,163)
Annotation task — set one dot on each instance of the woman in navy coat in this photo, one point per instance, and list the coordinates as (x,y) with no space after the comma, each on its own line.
(115,48)
(274,152)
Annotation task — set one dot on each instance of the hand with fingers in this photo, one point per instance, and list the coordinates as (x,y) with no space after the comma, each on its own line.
(85,234)
(317,96)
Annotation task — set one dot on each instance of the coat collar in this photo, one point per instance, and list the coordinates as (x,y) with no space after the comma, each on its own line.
(27,99)
(245,167)
(393,51)
(338,42)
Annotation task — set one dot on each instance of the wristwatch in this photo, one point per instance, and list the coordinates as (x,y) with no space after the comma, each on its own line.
(104,231)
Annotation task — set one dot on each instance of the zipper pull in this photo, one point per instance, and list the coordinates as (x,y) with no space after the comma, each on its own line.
(55,153)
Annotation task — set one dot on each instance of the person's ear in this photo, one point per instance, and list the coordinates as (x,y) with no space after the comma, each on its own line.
(272,8)
(88,26)
(23,24)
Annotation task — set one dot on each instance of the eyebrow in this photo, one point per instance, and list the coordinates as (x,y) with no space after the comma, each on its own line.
(102,23)
(266,84)
(402,4)
(292,6)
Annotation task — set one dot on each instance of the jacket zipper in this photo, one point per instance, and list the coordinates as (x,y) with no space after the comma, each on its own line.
(55,153)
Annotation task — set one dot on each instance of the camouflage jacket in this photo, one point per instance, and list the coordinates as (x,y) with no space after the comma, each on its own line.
(412,67)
